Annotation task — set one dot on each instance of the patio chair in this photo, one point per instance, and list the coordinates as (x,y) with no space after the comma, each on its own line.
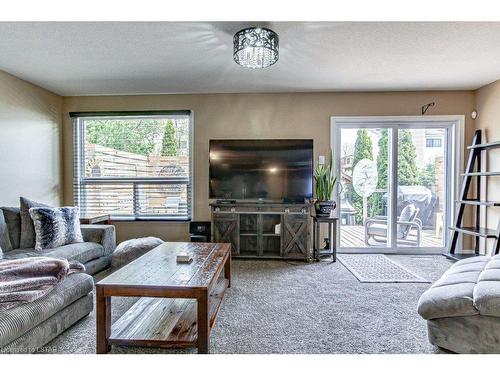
(376,227)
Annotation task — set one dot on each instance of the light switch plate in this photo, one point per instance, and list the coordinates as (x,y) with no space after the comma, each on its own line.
(321,159)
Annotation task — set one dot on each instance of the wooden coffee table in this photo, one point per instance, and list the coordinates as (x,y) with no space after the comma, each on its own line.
(179,303)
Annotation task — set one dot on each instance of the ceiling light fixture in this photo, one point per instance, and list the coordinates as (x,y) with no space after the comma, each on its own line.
(256,47)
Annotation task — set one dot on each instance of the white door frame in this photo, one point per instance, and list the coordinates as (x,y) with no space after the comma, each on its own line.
(454,146)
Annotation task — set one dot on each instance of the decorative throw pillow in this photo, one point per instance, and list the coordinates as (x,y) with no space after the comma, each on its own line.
(4,234)
(56,227)
(13,220)
(27,229)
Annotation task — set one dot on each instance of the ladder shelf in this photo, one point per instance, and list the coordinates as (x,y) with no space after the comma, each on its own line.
(485,146)
(475,202)
(478,232)
(473,170)
(481,174)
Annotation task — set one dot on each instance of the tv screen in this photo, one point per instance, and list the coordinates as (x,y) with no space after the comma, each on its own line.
(273,170)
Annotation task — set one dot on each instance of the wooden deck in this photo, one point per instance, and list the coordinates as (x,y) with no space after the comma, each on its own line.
(354,236)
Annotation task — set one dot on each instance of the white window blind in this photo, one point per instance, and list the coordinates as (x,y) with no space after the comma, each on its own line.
(133,165)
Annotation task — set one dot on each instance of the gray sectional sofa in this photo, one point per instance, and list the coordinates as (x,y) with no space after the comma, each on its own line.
(95,253)
(26,328)
(462,308)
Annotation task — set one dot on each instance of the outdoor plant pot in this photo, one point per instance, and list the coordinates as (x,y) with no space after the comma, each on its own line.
(324,208)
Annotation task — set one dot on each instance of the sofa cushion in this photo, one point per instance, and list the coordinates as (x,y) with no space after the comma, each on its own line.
(82,252)
(17,321)
(474,267)
(55,227)
(4,234)
(28,235)
(473,260)
(453,293)
(494,263)
(487,298)
(469,287)
(448,300)
(487,290)
(458,278)
(12,218)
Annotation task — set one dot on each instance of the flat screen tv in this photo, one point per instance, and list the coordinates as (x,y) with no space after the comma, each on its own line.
(269,170)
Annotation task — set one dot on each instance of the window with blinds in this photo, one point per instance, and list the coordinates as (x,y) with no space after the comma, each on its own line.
(133,165)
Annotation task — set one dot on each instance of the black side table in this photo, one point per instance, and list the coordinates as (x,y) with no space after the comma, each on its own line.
(332,237)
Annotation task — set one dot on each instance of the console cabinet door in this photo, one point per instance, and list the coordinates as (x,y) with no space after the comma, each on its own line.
(295,234)
(226,230)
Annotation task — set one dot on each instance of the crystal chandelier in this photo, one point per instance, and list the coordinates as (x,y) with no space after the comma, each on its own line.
(256,47)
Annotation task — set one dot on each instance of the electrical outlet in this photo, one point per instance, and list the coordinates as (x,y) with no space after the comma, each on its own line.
(321,159)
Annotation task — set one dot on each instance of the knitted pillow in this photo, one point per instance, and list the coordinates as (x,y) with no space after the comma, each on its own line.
(56,227)
(4,234)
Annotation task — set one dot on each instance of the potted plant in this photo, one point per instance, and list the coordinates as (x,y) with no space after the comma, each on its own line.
(325,183)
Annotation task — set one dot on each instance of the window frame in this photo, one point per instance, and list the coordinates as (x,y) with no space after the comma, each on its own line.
(79,179)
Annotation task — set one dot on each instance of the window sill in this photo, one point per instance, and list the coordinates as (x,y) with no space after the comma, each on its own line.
(159,218)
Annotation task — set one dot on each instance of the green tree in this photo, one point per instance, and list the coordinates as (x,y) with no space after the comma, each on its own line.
(129,135)
(170,142)
(376,203)
(427,176)
(407,167)
(408,173)
(363,149)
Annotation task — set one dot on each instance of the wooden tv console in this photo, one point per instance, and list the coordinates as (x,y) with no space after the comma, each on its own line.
(250,228)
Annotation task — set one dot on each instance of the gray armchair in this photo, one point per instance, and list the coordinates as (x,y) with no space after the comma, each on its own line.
(376,228)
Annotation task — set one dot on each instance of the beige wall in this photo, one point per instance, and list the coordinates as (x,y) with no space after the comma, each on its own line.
(488,109)
(291,115)
(30,142)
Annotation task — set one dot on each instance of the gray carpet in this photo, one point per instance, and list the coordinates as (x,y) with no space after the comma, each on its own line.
(292,307)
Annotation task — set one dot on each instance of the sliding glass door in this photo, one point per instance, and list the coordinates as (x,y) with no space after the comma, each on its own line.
(421,187)
(364,185)
(395,191)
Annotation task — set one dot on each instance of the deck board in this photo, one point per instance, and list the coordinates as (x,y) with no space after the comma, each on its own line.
(354,236)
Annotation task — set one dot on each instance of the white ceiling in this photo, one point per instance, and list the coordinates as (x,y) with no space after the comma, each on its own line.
(196,57)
